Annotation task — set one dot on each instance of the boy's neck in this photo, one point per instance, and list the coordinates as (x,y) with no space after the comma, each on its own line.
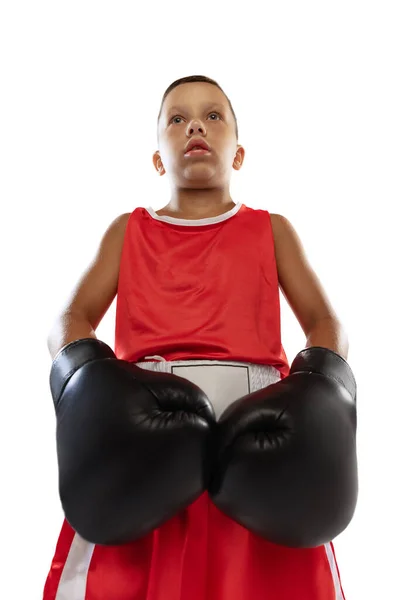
(198,204)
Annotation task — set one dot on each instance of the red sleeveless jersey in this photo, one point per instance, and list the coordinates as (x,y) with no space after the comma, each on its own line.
(203,289)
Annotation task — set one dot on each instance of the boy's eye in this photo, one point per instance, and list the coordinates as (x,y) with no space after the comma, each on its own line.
(178,119)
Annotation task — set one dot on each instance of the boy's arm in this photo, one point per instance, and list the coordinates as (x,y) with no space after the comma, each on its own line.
(303,290)
(94,292)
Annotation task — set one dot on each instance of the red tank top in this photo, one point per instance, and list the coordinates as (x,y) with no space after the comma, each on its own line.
(200,289)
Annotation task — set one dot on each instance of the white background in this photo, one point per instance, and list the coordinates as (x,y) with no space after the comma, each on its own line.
(315,89)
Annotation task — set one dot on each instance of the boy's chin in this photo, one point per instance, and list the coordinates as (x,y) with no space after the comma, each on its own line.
(199,176)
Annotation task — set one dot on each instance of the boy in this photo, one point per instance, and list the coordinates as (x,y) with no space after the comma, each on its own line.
(193,462)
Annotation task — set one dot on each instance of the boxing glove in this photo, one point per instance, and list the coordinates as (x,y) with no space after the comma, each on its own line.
(286,464)
(132,445)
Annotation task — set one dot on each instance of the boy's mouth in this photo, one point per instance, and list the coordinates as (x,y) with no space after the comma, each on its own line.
(197,147)
(197,151)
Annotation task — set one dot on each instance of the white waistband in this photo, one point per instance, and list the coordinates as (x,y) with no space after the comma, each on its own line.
(222,381)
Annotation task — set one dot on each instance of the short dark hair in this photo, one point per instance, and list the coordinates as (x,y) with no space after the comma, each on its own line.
(196,79)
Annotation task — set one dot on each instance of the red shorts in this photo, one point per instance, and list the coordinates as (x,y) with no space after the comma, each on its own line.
(200,554)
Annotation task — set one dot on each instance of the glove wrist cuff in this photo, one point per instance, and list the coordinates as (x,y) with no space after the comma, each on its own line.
(71,358)
(326,362)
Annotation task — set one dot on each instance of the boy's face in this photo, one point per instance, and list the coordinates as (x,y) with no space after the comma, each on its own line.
(197,111)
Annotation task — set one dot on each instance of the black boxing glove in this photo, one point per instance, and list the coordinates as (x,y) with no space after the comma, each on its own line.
(286,454)
(132,445)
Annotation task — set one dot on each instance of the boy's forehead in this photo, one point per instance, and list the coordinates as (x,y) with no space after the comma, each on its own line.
(198,95)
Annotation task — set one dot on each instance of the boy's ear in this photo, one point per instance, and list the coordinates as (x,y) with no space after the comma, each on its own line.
(239,158)
(157,162)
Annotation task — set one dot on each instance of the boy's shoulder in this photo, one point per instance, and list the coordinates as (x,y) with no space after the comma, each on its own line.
(278,224)
(284,234)
(115,233)
(121,221)
(124,217)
